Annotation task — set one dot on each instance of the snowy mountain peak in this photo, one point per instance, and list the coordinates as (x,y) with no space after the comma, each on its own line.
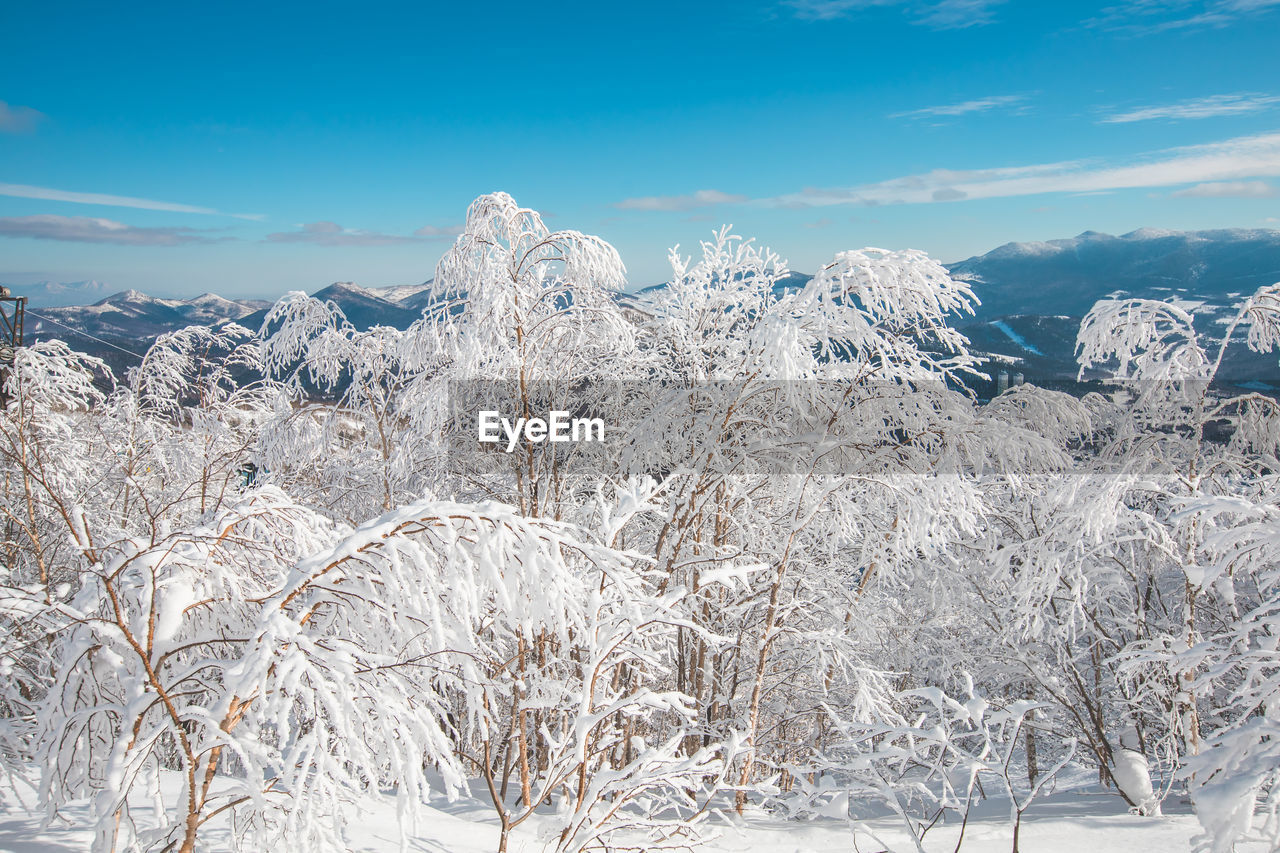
(344,287)
(1066,277)
(209,299)
(400,292)
(125,296)
(1153,234)
(1022,250)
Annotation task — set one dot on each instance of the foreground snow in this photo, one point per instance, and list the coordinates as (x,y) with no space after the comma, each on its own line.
(1076,819)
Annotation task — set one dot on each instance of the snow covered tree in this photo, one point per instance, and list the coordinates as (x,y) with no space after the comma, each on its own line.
(925,766)
(805,433)
(1108,573)
(359,452)
(521,305)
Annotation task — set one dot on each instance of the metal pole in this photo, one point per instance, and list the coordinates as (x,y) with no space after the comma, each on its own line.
(13,311)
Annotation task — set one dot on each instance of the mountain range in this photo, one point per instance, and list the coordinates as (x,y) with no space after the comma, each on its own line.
(45,294)
(1032,294)
(1035,294)
(126,323)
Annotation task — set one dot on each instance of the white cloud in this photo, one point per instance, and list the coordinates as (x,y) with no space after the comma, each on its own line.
(980,105)
(1215,105)
(15,119)
(938,14)
(49,194)
(1229,189)
(958,14)
(1154,16)
(442,230)
(827,10)
(326,233)
(701,198)
(84,229)
(1228,161)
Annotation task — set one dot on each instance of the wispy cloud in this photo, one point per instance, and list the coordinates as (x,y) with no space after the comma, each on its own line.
(1229,189)
(1143,17)
(16,119)
(326,233)
(701,198)
(1210,107)
(958,14)
(50,194)
(979,105)
(84,229)
(443,230)
(827,10)
(938,14)
(1232,160)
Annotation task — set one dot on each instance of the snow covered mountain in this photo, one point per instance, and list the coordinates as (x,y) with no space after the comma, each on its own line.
(412,296)
(209,309)
(1034,294)
(365,306)
(128,321)
(1068,276)
(134,316)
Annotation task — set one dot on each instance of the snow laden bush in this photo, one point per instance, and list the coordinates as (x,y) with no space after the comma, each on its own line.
(335,455)
(816,447)
(924,768)
(48,478)
(533,309)
(1189,519)
(218,674)
(88,463)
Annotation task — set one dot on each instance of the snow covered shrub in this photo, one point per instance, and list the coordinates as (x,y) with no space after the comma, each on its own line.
(1238,664)
(48,475)
(359,453)
(142,655)
(934,758)
(862,353)
(519,303)
(221,672)
(1188,519)
(468,635)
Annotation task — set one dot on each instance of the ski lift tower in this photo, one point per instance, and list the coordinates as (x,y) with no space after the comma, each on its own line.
(13,310)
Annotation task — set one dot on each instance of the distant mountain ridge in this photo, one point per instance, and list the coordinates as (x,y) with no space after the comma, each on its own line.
(135,316)
(397,306)
(1033,296)
(57,293)
(1067,276)
(130,320)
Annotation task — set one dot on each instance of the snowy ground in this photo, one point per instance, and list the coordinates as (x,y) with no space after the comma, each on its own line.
(1081,819)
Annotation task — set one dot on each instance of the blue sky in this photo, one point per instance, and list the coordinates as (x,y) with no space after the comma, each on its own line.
(251,150)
